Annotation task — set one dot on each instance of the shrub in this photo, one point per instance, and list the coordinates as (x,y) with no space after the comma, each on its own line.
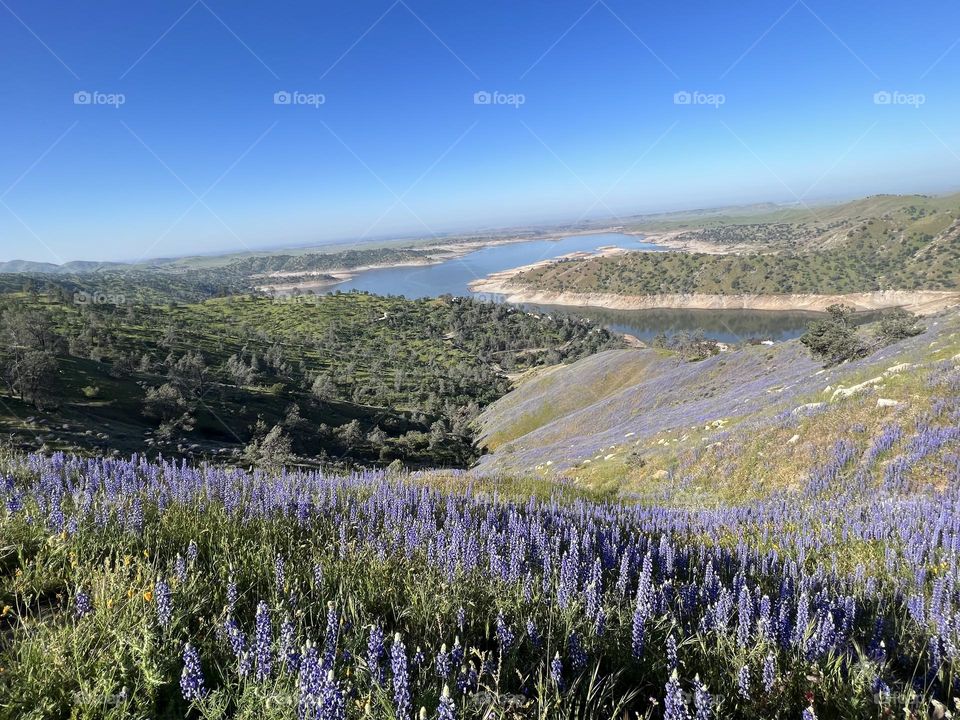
(834,339)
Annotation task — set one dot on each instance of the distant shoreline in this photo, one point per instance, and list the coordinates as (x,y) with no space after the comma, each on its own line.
(923,302)
(326,280)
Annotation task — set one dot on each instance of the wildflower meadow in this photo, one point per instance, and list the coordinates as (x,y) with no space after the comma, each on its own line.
(135,588)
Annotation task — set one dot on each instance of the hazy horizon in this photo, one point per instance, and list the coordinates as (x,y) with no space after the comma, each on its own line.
(545,224)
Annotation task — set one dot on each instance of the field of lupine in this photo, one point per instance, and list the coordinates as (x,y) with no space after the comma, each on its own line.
(140,589)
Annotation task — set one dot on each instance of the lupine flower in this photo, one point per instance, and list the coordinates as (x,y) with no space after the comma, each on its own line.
(83,605)
(600,622)
(332,705)
(191,679)
(442,662)
(702,702)
(461,618)
(263,641)
(456,655)
(231,594)
(533,633)
(180,569)
(808,714)
(769,673)
(164,600)
(279,574)
(401,680)
(192,551)
(375,654)
(578,656)
(671,652)
(638,635)
(674,706)
(447,710)
(333,632)
(286,653)
(556,672)
(505,634)
(880,690)
(743,682)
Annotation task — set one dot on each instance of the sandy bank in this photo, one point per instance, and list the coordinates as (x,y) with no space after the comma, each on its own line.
(922,301)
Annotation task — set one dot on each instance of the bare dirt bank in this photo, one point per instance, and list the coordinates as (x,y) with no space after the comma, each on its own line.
(920,301)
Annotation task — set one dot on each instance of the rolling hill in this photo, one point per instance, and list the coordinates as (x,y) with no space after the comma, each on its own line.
(733,426)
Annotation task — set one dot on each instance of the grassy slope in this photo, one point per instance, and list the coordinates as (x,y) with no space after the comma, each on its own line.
(728,428)
(412,353)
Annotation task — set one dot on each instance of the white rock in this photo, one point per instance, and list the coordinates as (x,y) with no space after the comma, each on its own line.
(794,440)
(808,406)
(853,390)
(886,402)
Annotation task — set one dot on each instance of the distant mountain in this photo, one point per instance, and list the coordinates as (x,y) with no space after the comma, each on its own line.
(76,266)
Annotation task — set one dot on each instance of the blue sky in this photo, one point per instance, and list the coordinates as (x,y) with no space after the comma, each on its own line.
(199,158)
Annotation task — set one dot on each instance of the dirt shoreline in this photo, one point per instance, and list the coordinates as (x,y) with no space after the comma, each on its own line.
(923,302)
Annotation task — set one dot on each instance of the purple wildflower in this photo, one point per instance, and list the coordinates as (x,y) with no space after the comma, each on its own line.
(191,679)
(83,605)
(263,642)
(164,601)
(401,680)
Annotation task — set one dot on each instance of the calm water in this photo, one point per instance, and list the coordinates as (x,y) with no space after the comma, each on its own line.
(453,277)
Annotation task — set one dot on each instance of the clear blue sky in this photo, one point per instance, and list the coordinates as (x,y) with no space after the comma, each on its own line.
(199,158)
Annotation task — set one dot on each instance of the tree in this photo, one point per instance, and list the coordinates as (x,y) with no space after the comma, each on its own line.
(30,343)
(37,378)
(834,339)
(164,403)
(270,450)
(189,374)
(323,388)
(350,434)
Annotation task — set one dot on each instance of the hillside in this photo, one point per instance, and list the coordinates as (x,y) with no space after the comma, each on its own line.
(873,245)
(736,425)
(350,377)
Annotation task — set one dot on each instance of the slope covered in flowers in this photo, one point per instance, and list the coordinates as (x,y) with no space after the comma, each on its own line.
(133,588)
(736,425)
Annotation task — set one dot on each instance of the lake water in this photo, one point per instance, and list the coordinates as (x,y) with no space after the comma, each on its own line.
(454,276)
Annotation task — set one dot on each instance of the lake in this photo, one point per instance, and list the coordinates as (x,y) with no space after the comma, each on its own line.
(453,277)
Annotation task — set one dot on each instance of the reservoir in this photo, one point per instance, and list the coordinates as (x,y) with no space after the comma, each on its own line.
(452,277)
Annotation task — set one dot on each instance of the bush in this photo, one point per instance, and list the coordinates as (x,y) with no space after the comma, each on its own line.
(834,339)
(898,325)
